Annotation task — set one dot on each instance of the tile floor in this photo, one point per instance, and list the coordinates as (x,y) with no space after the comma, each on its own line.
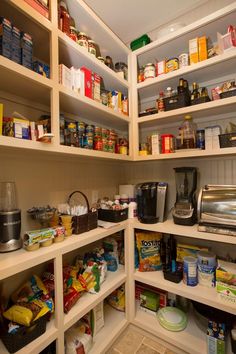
(133,342)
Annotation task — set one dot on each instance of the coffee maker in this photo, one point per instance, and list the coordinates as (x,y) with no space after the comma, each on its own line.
(10,218)
(151,201)
(185,209)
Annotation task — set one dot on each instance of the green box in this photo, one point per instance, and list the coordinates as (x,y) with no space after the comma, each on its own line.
(149,300)
(140,42)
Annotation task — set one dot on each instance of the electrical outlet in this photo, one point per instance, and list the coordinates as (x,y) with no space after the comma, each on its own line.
(94,196)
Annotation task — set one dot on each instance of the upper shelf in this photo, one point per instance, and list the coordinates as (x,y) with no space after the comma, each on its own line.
(72,102)
(87,21)
(72,54)
(200,72)
(176,43)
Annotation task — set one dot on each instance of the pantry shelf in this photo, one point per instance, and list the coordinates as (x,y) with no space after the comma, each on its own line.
(38,344)
(27,83)
(198,72)
(213,108)
(31,13)
(115,323)
(169,227)
(82,106)
(203,294)
(89,301)
(72,54)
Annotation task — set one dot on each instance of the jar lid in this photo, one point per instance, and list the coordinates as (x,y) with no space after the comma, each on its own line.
(91,41)
(188,116)
(149,64)
(82,34)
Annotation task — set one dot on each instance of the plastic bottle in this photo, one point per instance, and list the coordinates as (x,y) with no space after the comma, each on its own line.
(188,129)
(132,212)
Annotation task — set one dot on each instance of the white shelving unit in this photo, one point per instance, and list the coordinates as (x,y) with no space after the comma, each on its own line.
(46,95)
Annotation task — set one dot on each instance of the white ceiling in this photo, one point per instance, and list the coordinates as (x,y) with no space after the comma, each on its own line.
(129,19)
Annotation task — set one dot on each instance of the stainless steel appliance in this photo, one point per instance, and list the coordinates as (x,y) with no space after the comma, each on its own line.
(217,209)
(151,200)
(185,209)
(10,218)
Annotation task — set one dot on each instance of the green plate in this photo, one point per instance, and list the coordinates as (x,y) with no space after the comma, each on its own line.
(172,319)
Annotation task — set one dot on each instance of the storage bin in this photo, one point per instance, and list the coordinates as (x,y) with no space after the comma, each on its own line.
(228,94)
(24,335)
(140,42)
(86,222)
(227,140)
(113,215)
(200,100)
(176,101)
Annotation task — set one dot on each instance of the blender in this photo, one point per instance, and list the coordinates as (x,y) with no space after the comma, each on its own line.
(10,218)
(185,209)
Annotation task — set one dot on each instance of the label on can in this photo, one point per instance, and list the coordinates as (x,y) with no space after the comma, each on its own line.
(149,71)
(190,271)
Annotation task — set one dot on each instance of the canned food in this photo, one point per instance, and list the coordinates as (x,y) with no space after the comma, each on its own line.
(149,71)
(190,271)
(167,143)
(183,60)
(172,64)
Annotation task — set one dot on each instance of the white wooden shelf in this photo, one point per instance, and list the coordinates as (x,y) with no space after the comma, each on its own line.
(169,227)
(18,80)
(26,260)
(38,344)
(82,106)
(212,108)
(210,69)
(203,294)
(115,323)
(89,301)
(191,340)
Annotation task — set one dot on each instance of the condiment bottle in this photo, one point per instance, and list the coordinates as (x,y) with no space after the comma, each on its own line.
(64,24)
(195,93)
(160,102)
(188,129)
(181,88)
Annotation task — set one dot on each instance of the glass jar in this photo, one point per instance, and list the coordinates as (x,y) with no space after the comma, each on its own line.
(149,71)
(188,129)
(64,23)
(122,69)
(73,33)
(92,47)
(109,62)
(101,59)
(83,40)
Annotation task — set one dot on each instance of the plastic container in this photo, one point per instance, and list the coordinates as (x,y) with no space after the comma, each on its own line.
(188,129)
(140,42)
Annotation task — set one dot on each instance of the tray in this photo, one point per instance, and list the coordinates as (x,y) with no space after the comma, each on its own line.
(25,335)
(200,100)
(113,215)
(177,101)
(227,140)
(86,222)
(228,94)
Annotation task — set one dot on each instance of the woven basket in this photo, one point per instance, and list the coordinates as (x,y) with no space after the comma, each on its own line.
(24,335)
(86,222)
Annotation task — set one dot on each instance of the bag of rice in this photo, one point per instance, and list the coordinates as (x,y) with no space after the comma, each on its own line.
(148,244)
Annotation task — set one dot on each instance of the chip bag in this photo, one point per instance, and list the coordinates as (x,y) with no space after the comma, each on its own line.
(148,245)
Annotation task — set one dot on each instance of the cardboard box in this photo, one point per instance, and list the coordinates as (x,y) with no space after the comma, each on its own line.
(193,51)
(5,37)
(21,128)
(8,126)
(155,144)
(16,42)
(183,250)
(202,48)
(26,50)
(216,338)
(87,84)
(149,300)
(226,280)
(65,77)
(96,87)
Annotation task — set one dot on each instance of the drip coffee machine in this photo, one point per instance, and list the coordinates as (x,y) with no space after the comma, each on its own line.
(10,218)
(185,209)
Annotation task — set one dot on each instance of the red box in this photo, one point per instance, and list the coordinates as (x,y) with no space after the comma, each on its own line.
(87,84)
(39,7)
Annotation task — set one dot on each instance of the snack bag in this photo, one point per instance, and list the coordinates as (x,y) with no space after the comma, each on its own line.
(148,244)
(117,299)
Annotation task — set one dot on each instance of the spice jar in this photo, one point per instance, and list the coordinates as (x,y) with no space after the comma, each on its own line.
(109,62)
(149,71)
(83,40)
(92,47)
(73,33)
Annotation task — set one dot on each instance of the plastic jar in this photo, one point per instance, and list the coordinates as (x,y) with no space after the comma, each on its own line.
(92,47)
(189,133)
(149,71)
(83,40)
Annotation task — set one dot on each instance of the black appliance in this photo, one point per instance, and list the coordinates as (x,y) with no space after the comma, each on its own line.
(185,209)
(151,199)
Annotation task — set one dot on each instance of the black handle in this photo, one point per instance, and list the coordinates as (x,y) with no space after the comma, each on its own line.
(86,199)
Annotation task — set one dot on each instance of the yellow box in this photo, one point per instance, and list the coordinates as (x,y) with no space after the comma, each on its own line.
(1,117)
(202,48)
(183,250)
(193,51)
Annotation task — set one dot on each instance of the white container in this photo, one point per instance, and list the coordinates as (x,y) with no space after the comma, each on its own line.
(132,212)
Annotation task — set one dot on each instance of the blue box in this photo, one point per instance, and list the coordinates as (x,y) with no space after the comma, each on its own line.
(5,37)
(16,51)
(41,68)
(26,50)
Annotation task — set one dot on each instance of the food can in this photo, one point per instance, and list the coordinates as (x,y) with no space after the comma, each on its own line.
(149,71)
(183,60)
(190,271)
(92,47)
(167,143)
(172,64)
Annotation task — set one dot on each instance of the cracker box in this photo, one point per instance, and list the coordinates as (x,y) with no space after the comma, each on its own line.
(193,51)
(21,128)
(5,37)
(87,84)
(96,87)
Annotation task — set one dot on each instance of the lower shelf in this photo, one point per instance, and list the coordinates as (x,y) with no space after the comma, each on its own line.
(115,323)
(38,344)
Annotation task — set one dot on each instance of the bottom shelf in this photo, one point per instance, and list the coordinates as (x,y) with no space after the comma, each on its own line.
(38,344)
(191,340)
(115,323)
